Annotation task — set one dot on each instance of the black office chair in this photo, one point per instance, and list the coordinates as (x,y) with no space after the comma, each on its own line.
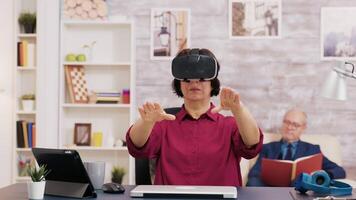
(142,165)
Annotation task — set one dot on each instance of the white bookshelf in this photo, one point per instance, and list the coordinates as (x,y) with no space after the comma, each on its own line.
(27,35)
(20,68)
(20,179)
(82,148)
(25,81)
(96,64)
(72,105)
(21,112)
(23,149)
(110,69)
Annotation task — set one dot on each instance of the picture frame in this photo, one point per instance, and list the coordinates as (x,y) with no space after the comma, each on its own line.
(76,83)
(82,134)
(255,19)
(170,32)
(338,33)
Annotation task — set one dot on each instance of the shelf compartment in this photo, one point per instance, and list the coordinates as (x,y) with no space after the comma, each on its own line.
(21,112)
(27,35)
(114,37)
(23,178)
(91,64)
(72,105)
(97,23)
(23,149)
(20,68)
(90,148)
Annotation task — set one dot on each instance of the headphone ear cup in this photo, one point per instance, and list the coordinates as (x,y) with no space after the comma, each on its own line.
(320,178)
(302,182)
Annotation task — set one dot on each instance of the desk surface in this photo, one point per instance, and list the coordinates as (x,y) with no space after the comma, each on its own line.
(19,191)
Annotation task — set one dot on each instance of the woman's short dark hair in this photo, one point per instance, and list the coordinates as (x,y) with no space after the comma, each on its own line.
(215,83)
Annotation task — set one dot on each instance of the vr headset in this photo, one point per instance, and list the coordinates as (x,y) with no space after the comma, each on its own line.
(194,66)
(320,183)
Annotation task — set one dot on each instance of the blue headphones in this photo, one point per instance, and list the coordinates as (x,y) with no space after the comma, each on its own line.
(320,182)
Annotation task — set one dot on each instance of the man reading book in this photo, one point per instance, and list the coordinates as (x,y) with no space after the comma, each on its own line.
(290,147)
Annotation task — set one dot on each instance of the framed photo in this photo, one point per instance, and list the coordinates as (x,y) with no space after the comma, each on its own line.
(338,33)
(170,32)
(82,134)
(255,19)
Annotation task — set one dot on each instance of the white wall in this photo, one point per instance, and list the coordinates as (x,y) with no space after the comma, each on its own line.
(6,84)
(271,75)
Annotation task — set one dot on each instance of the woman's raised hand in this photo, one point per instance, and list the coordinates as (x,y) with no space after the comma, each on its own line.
(153,112)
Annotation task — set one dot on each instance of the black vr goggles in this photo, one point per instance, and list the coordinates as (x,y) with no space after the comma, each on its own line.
(194,66)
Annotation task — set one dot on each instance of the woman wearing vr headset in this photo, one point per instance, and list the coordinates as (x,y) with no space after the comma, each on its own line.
(197,146)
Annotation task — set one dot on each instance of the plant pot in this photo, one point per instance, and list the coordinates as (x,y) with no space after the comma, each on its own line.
(29,28)
(35,190)
(117,180)
(28,105)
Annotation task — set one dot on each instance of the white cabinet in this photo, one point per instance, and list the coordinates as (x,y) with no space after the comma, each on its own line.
(108,48)
(25,81)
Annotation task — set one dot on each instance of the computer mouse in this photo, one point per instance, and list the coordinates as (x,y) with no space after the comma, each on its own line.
(113,188)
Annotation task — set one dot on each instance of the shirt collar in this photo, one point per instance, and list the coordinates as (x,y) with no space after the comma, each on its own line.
(183,114)
(294,144)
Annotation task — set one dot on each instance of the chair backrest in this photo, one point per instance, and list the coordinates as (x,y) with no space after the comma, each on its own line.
(143,165)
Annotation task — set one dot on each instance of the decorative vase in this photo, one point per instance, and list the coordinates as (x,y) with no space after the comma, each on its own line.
(28,105)
(36,190)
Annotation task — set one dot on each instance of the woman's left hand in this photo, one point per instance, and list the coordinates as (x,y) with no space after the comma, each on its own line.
(229,100)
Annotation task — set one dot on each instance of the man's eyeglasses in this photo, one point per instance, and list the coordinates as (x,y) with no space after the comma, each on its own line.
(292,124)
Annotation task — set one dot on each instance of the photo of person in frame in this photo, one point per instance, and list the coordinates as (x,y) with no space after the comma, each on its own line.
(82,132)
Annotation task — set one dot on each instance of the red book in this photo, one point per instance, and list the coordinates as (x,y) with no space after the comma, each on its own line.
(281,173)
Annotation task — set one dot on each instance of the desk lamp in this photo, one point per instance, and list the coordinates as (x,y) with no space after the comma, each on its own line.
(335,85)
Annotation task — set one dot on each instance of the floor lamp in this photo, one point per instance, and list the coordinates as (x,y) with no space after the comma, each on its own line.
(335,86)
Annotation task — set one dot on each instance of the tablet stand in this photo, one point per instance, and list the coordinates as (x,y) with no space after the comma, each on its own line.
(68,189)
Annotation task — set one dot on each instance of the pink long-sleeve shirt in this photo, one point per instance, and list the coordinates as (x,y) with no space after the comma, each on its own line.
(204,151)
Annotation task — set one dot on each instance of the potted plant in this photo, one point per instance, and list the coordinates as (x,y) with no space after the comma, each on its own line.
(28,102)
(28,21)
(117,173)
(36,186)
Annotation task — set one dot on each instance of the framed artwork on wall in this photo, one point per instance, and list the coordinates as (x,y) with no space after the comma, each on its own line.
(82,134)
(338,33)
(170,32)
(255,19)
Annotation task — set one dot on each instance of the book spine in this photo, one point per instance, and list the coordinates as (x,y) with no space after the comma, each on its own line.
(29,130)
(34,135)
(21,54)
(31,54)
(19,134)
(25,53)
(25,134)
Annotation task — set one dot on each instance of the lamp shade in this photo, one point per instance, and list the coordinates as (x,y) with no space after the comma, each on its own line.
(335,86)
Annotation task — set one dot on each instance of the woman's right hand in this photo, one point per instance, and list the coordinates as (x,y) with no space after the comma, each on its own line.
(153,112)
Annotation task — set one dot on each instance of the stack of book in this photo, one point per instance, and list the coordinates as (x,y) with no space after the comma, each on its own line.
(26,54)
(26,134)
(108,97)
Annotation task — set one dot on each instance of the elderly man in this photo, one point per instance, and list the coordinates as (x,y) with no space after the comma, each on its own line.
(290,147)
